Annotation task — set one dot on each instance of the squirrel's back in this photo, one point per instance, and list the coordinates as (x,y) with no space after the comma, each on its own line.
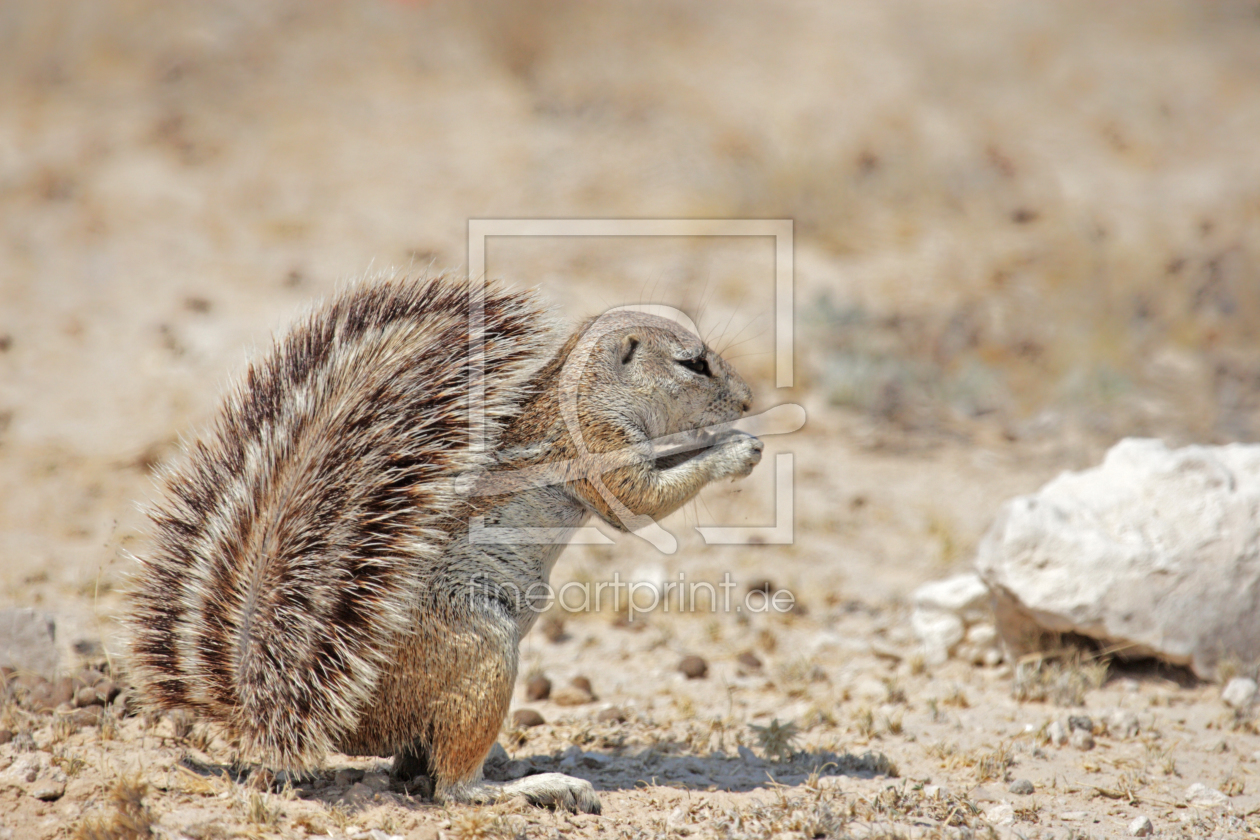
(288,543)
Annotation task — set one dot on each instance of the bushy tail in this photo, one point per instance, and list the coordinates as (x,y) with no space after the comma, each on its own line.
(289,541)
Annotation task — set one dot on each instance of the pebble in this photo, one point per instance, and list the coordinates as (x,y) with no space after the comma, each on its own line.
(1141,827)
(87,716)
(612,714)
(572,695)
(1084,723)
(1023,787)
(1057,733)
(1123,723)
(85,696)
(1239,693)
(538,688)
(749,660)
(526,718)
(694,667)
(51,789)
(583,684)
(348,776)
(1001,814)
(1082,740)
(1073,816)
(1202,796)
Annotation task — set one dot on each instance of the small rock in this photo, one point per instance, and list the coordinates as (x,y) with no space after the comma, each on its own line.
(583,684)
(965,596)
(571,696)
(938,632)
(553,630)
(1123,723)
(612,714)
(1141,827)
(1074,816)
(1082,740)
(749,660)
(694,667)
(1084,723)
(85,696)
(1239,693)
(358,794)
(1202,796)
(538,688)
(6,735)
(982,635)
(525,718)
(1023,787)
(1057,733)
(88,716)
(1001,814)
(348,776)
(595,760)
(107,691)
(376,781)
(50,789)
(764,585)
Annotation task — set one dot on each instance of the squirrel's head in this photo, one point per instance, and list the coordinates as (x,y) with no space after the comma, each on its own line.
(656,375)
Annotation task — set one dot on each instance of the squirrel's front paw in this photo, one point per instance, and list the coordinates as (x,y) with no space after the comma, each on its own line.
(739,454)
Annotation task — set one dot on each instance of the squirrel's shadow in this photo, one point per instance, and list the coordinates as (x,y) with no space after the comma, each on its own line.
(734,774)
(717,771)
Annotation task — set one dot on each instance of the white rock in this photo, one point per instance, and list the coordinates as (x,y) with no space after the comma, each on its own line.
(1141,827)
(1123,724)
(982,635)
(938,632)
(1003,814)
(1239,693)
(1057,733)
(1152,552)
(1202,796)
(964,595)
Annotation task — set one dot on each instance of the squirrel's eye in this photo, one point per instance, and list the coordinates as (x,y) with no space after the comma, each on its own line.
(698,365)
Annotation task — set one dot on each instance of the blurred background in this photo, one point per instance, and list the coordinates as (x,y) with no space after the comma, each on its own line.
(1023,229)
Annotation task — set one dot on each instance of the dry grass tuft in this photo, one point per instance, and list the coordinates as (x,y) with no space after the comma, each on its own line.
(130,818)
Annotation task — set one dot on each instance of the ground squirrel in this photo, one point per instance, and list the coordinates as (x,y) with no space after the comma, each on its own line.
(314,583)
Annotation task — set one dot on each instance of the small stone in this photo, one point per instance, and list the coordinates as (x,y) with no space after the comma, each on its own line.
(348,776)
(538,688)
(107,691)
(1239,693)
(1082,740)
(764,585)
(553,630)
(1057,733)
(583,684)
(525,718)
(1202,796)
(51,789)
(376,781)
(1023,787)
(1001,814)
(749,660)
(612,714)
(571,696)
(88,716)
(1141,827)
(1083,723)
(694,667)
(1074,816)
(1123,723)
(85,696)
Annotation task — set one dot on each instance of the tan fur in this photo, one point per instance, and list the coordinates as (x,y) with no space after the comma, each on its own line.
(315,584)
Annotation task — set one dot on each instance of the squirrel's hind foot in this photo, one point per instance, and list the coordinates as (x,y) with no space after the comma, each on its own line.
(554,790)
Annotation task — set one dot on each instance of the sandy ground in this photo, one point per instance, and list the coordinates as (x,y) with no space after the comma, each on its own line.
(1022,231)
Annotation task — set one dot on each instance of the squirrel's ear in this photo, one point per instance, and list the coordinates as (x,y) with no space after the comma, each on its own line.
(628,345)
